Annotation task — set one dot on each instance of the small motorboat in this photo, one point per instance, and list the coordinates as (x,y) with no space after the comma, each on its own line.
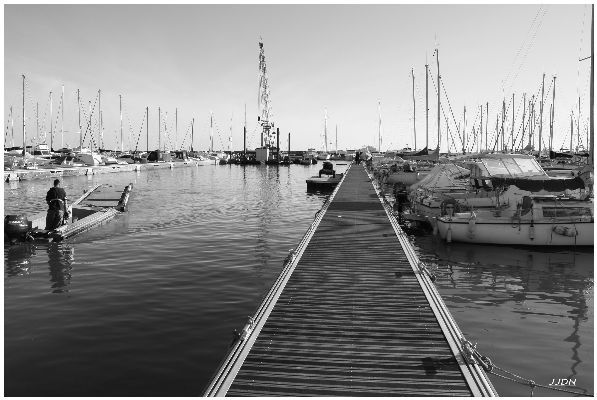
(93,208)
(327,182)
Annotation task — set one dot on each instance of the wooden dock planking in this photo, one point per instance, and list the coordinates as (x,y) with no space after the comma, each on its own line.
(352,319)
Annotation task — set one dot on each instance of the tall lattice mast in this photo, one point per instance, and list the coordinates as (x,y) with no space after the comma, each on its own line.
(263,101)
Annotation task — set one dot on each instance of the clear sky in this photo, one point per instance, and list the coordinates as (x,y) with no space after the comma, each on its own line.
(202,58)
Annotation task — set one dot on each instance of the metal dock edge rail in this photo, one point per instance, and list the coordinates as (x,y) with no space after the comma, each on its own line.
(360,316)
(473,373)
(228,369)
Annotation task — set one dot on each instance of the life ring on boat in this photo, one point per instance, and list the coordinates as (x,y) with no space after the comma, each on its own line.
(449,204)
(565,231)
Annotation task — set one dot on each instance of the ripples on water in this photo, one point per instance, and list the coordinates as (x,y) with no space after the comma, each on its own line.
(146,304)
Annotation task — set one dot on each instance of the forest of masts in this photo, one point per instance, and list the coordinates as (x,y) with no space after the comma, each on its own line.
(519,124)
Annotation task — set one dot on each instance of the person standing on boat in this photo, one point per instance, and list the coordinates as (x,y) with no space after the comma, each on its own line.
(57,206)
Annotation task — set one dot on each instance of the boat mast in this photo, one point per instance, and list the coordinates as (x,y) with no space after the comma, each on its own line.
(289,147)
(524,110)
(176,128)
(571,130)
(245,133)
(211,132)
(481,131)
(486,123)
(147,128)
(121,137)
(464,132)
(51,120)
(541,115)
(99,116)
(24,145)
(230,135)
(12,127)
(159,126)
(578,126)
(62,118)
(426,106)
(37,119)
(438,98)
(336,138)
(503,131)
(90,129)
(379,126)
(592,87)
(192,132)
(532,123)
(553,114)
(325,129)
(80,130)
(412,72)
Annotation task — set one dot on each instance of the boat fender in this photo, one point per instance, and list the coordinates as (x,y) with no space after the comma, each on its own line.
(527,205)
(435,229)
(565,231)
(247,329)
(472,221)
(449,234)
(532,231)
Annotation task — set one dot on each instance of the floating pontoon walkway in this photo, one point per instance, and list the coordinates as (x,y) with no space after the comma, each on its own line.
(353,313)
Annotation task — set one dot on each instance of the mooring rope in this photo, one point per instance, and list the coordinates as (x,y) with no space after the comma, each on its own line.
(473,355)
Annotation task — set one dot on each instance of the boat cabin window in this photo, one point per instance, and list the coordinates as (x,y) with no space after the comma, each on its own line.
(566,211)
(495,167)
(529,166)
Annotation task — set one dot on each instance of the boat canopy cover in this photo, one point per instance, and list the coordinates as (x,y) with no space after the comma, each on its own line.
(536,185)
(443,176)
(507,166)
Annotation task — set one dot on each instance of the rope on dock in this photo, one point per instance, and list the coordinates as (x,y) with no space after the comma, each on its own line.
(485,362)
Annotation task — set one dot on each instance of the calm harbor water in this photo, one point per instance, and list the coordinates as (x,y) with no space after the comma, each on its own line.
(146,304)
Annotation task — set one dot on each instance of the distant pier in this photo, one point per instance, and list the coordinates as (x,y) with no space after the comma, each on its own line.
(353,313)
(45,173)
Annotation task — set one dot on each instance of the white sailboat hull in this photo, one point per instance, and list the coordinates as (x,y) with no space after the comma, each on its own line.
(540,234)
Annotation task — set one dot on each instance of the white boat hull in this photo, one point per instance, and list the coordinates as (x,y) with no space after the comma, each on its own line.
(541,233)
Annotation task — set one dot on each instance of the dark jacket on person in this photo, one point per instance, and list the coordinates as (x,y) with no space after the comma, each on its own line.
(56,199)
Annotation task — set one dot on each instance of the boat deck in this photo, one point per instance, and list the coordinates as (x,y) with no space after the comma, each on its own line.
(352,314)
